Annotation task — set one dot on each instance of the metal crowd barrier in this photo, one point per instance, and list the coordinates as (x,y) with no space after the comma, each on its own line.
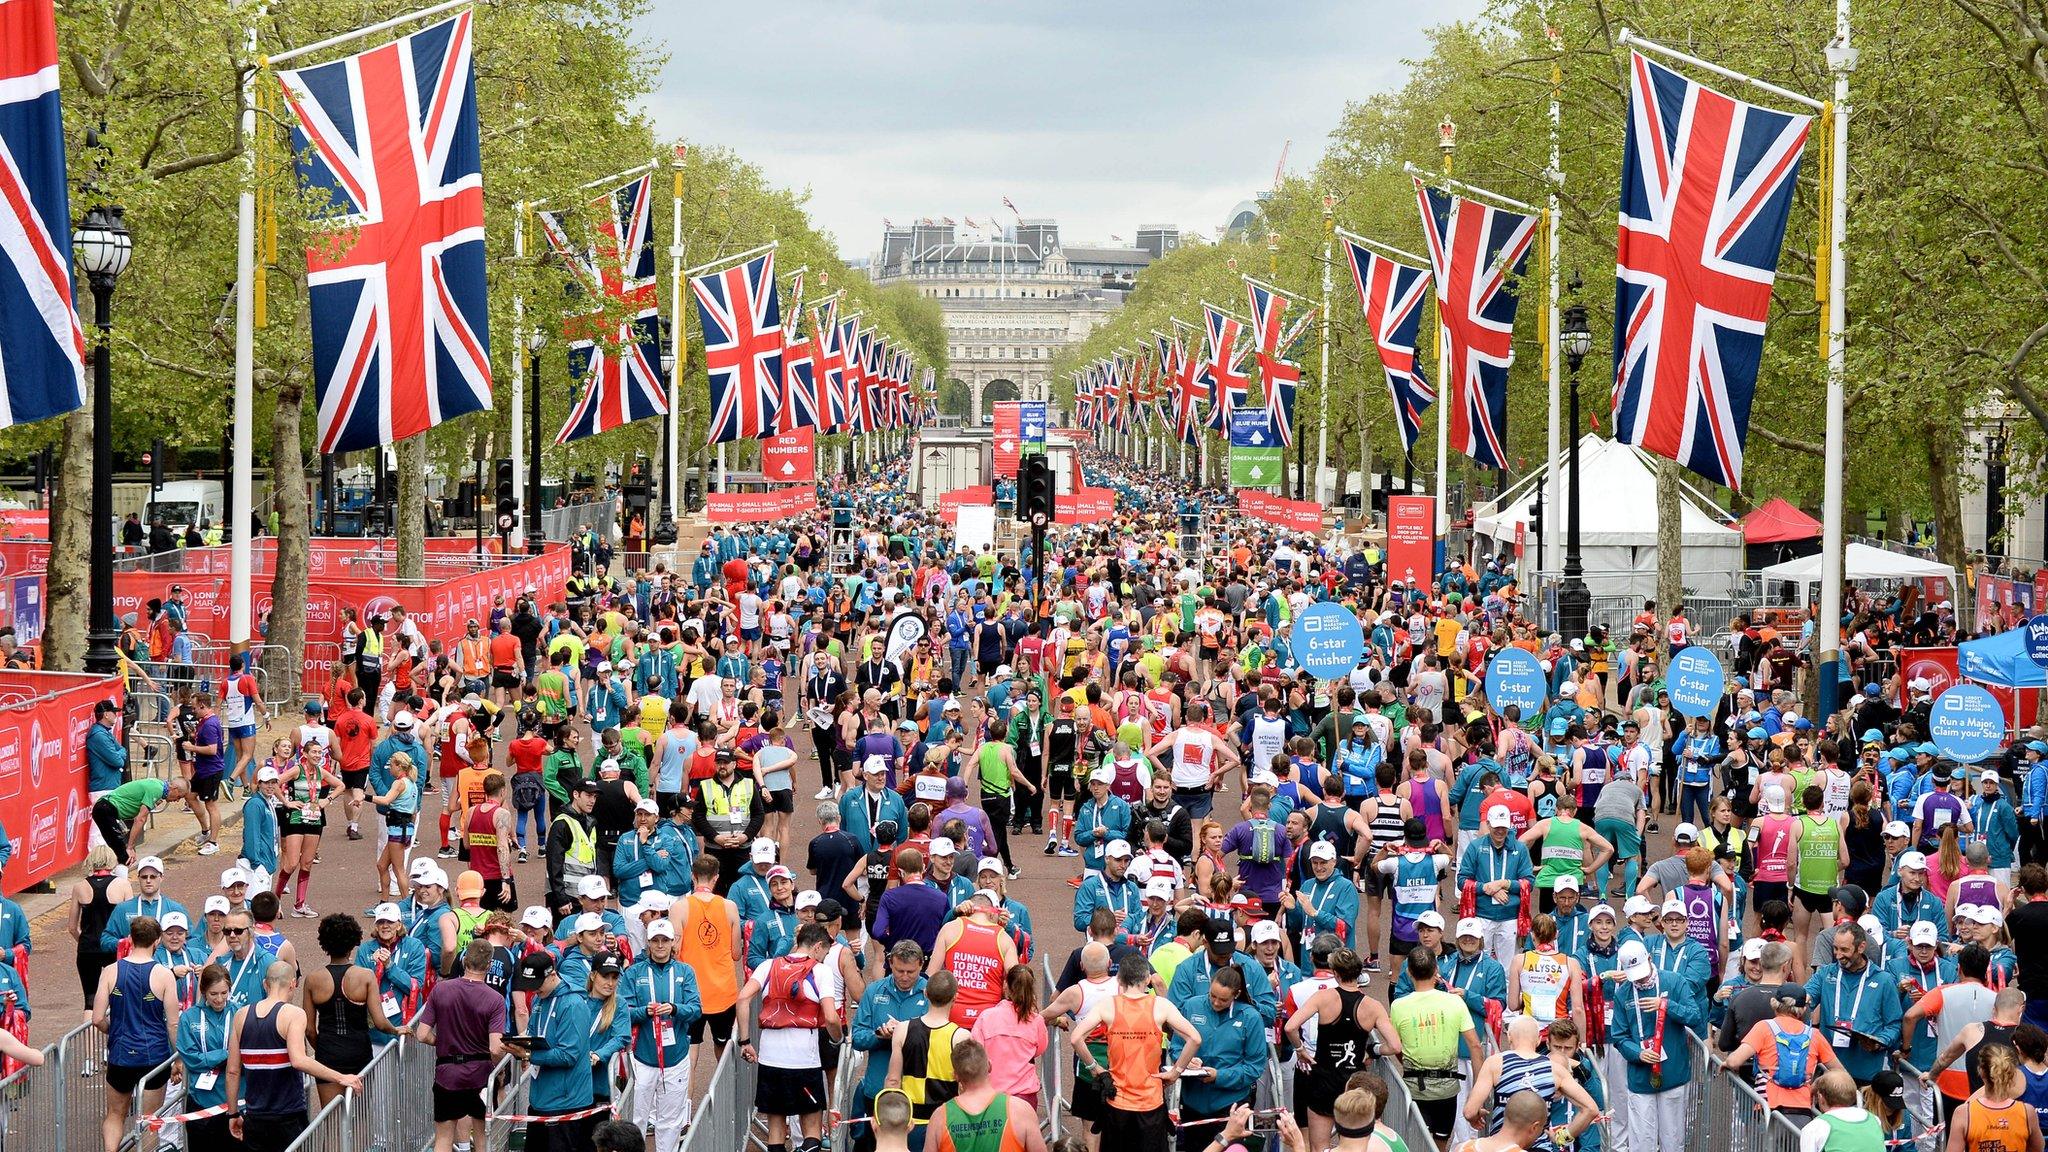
(1723,1111)
(1927,1133)
(29,1100)
(329,1131)
(725,1112)
(853,1064)
(1052,1067)
(508,1091)
(1401,1113)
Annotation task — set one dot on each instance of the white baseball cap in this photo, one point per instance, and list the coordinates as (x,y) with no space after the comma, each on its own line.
(1923,932)
(648,806)
(589,922)
(654,900)
(1265,930)
(763,850)
(232,876)
(942,846)
(1498,816)
(266,774)
(1914,860)
(1635,960)
(1774,799)
(1672,907)
(593,888)
(1118,848)
(1753,948)
(537,917)
(1686,832)
(403,720)
(1566,883)
(808,899)
(215,904)
(150,862)
(609,766)
(1471,926)
(1322,850)
(1638,906)
(1599,910)
(1872,926)
(1430,919)
(879,765)
(1981,913)
(661,928)
(432,878)
(175,919)
(988,864)
(1898,828)
(387,913)
(1265,776)
(1159,888)
(1102,775)
(420,867)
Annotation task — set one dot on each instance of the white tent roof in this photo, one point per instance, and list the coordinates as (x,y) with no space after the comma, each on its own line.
(1620,507)
(1862,562)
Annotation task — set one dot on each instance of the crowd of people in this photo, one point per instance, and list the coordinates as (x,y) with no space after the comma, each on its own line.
(1341,880)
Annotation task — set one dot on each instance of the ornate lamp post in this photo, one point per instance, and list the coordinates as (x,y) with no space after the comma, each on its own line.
(536,539)
(1574,599)
(665,528)
(103,245)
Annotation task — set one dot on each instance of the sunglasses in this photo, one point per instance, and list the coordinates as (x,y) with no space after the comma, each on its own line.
(234,931)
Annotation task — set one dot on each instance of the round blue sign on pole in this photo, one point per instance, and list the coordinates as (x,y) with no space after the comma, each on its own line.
(1328,641)
(1967,724)
(2037,639)
(1516,678)
(1696,681)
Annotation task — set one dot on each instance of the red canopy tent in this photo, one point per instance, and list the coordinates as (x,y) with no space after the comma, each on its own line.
(1778,531)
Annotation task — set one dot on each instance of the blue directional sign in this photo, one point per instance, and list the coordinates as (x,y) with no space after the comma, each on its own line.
(1515,678)
(1696,681)
(1031,421)
(1328,641)
(1967,724)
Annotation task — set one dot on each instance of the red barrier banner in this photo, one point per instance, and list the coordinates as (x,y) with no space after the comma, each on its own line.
(1293,515)
(1007,437)
(1988,598)
(755,507)
(43,799)
(1935,665)
(790,457)
(1085,506)
(25,524)
(1411,539)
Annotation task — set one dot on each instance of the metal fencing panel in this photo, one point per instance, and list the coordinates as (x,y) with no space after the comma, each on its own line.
(1402,1115)
(507,1092)
(329,1131)
(725,1111)
(82,1095)
(28,1101)
(853,1064)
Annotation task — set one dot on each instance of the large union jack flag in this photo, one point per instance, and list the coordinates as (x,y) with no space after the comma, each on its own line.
(1223,378)
(620,369)
(399,307)
(742,315)
(1189,389)
(1268,310)
(1477,252)
(42,344)
(1706,189)
(859,346)
(1391,294)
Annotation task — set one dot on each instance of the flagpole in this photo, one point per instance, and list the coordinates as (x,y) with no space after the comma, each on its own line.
(241,511)
(367,30)
(516,543)
(1323,373)
(1552,367)
(1841,58)
(675,337)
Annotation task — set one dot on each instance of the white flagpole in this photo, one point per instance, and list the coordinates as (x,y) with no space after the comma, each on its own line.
(1841,56)
(1549,546)
(675,337)
(517,541)
(241,510)
(1323,373)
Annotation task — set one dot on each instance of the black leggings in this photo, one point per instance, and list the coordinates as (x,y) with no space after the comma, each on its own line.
(113,829)
(91,961)
(1028,809)
(826,740)
(997,809)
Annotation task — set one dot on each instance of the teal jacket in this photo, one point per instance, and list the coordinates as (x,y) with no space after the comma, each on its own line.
(562,1077)
(606,1042)
(203,1048)
(882,1002)
(1635,1024)
(1234,1046)
(674,983)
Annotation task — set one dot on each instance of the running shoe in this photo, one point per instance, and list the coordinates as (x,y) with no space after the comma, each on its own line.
(522,855)
(208,848)
(1051,849)
(308,913)
(824,794)
(355,833)
(1069,850)
(1016,873)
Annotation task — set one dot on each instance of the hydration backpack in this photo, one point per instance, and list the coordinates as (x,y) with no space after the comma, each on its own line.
(1265,846)
(1794,1051)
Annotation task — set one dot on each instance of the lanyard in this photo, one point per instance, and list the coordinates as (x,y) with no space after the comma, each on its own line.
(1496,864)
(1664,954)
(1862,981)
(655,997)
(235,972)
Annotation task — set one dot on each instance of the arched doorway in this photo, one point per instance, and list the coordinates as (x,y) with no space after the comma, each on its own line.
(994,390)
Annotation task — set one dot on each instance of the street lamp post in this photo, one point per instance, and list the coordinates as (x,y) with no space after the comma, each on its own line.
(1574,599)
(536,540)
(665,528)
(103,245)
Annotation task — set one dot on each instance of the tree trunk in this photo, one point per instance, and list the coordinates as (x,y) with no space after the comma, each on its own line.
(68,583)
(412,508)
(288,488)
(1670,552)
(1942,469)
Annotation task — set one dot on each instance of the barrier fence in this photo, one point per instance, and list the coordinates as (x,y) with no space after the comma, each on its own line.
(1402,1115)
(724,1115)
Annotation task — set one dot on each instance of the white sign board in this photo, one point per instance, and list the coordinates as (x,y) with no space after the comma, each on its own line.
(976,528)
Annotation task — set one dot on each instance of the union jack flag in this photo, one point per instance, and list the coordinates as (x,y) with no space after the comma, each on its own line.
(1391,294)
(828,340)
(1706,189)
(877,373)
(1477,252)
(742,316)
(1268,307)
(799,408)
(1189,389)
(400,317)
(1224,382)
(621,372)
(1282,379)
(1084,397)
(42,343)
(859,347)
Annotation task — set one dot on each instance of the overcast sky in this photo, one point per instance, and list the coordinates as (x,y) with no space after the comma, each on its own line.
(1103,114)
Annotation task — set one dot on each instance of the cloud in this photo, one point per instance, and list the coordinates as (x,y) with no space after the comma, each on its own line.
(1104,115)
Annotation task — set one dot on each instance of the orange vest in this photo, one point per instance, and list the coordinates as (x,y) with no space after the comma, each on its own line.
(705,944)
(1134,1046)
(976,962)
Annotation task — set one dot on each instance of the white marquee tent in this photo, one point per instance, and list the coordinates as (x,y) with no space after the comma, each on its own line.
(1862,562)
(1618,524)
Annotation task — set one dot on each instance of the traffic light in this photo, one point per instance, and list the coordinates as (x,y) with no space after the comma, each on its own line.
(636,496)
(1034,487)
(156,463)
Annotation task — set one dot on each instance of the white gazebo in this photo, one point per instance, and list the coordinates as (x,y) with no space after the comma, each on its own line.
(1860,562)
(1618,524)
